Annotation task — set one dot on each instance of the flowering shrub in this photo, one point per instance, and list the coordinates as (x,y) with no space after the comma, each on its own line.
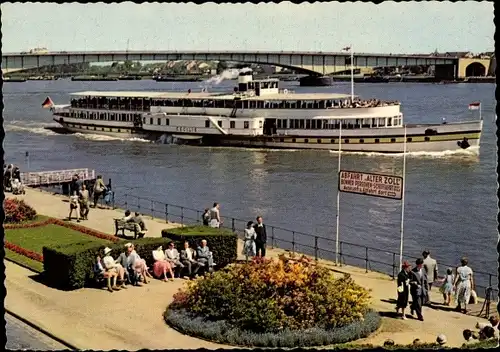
(16,211)
(275,295)
(23,251)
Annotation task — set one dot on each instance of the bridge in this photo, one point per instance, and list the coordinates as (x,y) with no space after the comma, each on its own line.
(312,63)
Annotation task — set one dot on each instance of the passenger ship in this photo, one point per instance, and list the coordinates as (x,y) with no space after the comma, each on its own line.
(259,114)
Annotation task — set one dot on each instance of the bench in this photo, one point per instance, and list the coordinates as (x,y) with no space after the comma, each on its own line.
(121,225)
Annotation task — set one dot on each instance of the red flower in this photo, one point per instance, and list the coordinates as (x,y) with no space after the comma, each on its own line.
(16,211)
(26,252)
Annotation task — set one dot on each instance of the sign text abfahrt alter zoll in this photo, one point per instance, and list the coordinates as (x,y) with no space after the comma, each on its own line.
(385,186)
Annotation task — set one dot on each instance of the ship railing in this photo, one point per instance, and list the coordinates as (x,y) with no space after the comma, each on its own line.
(315,245)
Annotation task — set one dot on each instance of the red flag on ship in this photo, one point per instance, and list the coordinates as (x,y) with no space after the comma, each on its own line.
(47,103)
(474,106)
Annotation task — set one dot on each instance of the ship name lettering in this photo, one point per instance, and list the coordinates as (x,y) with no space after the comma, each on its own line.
(186,129)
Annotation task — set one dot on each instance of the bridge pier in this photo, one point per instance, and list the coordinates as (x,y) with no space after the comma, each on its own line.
(315,81)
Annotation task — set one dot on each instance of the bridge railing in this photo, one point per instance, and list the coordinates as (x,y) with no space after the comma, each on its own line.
(320,247)
(55,177)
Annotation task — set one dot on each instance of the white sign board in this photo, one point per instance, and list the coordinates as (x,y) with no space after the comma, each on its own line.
(385,186)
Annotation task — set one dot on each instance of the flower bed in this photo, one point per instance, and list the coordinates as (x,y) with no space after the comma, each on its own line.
(17,211)
(26,252)
(274,303)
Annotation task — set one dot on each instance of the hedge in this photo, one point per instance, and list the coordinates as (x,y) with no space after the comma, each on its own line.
(222,332)
(70,267)
(222,242)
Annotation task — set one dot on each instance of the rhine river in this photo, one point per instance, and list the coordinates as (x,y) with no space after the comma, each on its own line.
(451,203)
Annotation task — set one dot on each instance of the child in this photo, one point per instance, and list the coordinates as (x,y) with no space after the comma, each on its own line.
(447,287)
(74,205)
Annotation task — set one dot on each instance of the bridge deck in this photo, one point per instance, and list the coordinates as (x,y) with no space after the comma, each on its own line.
(52,178)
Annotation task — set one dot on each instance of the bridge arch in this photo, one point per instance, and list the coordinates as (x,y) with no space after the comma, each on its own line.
(475,69)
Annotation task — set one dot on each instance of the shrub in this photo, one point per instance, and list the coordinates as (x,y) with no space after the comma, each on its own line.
(70,266)
(223,332)
(222,242)
(274,296)
(16,211)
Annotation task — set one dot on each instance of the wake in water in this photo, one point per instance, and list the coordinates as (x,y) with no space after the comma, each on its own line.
(470,152)
(103,138)
(32,129)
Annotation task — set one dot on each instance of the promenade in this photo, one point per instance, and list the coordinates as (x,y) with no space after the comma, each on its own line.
(132,319)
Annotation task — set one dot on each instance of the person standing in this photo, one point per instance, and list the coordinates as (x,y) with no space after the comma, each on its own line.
(84,202)
(403,289)
(249,248)
(261,237)
(430,267)
(215,220)
(418,283)
(206,217)
(447,287)
(464,283)
(99,189)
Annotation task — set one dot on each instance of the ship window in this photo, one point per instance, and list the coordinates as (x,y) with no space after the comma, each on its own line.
(409,139)
(301,124)
(381,122)
(246,124)
(143,120)
(306,140)
(308,124)
(377,140)
(260,124)
(346,141)
(332,141)
(282,140)
(427,139)
(207,123)
(95,128)
(159,121)
(119,130)
(102,128)
(389,122)
(293,140)
(361,141)
(279,123)
(393,140)
(219,123)
(319,140)
(167,122)
(285,123)
(232,124)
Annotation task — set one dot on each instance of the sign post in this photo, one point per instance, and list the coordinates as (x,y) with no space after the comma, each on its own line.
(338,200)
(402,206)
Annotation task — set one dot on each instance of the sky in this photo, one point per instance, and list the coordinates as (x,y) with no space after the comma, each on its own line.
(408,27)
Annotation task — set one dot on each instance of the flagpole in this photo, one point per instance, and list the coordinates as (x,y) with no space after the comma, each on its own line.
(480,117)
(352,74)
(338,199)
(402,206)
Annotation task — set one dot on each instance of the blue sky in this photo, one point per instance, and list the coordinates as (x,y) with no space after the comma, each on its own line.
(410,27)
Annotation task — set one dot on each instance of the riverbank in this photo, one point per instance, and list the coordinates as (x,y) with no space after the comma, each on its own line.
(93,311)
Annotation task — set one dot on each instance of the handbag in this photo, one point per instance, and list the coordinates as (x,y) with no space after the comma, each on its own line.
(473,297)
(401,289)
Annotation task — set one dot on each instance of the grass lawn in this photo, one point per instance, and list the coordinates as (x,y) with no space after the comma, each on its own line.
(21,259)
(36,238)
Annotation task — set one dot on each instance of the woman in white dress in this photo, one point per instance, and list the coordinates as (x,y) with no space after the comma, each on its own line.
(249,248)
(464,283)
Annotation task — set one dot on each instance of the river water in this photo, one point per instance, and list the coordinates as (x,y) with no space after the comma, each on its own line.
(451,203)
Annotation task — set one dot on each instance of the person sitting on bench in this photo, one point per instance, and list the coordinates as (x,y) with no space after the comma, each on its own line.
(205,256)
(132,276)
(108,275)
(139,221)
(111,266)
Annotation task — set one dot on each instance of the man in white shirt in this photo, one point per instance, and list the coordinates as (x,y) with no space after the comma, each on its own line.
(188,256)
(173,257)
(112,266)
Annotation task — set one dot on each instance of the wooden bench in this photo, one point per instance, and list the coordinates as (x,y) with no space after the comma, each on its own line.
(121,225)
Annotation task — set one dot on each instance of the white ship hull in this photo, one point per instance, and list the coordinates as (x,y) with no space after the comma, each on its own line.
(449,137)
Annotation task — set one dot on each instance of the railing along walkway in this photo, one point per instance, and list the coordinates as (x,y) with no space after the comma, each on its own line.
(49,178)
(371,258)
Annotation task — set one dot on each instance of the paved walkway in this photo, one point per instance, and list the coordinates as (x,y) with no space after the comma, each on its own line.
(132,319)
